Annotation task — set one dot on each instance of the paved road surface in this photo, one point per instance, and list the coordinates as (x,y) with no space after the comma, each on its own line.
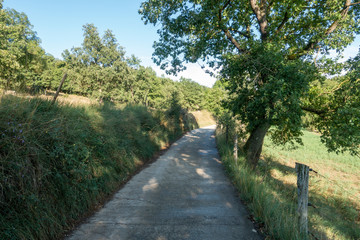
(183,195)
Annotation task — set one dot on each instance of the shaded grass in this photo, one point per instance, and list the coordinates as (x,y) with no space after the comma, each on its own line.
(57,162)
(271,195)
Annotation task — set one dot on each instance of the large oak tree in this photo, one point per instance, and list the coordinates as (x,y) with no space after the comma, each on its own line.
(264,49)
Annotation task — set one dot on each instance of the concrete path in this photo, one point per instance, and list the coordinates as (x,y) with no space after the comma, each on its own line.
(183,195)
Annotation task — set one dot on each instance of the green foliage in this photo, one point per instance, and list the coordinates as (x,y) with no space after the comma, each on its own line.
(21,56)
(58,161)
(193,94)
(214,98)
(98,69)
(265,87)
(338,107)
(175,107)
(263,49)
(192,29)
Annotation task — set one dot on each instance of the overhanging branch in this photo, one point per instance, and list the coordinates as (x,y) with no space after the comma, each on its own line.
(283,22)
(352,4)
(233,40)
(315,40)
(244,34)
(226,31)
(312,110)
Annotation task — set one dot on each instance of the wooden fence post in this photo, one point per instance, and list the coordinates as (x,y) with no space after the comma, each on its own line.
(303,194)
(236,147)
(59,88)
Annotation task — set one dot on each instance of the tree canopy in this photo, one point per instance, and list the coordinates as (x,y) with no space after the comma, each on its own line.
(192,29)
(21,56)
(265,51)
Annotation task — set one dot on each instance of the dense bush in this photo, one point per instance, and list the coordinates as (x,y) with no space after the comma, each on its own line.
(57,161)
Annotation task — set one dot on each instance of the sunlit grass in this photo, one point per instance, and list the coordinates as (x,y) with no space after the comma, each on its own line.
(204,118)
(271,190)
(335,191)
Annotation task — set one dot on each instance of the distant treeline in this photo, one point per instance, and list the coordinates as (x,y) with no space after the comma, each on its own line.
(98,69)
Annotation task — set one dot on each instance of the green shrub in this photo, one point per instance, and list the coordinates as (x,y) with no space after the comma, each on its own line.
(57,161)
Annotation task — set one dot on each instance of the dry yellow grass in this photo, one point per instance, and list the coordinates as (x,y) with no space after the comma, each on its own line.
(74,100)
(204,118)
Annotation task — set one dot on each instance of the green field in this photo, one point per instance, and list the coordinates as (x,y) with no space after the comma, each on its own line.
(271,191)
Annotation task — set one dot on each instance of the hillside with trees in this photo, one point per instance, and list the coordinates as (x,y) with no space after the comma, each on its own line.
(98,69)
(60,161)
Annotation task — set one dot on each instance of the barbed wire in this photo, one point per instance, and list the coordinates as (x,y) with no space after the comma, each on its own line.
(338,185)
(335,183)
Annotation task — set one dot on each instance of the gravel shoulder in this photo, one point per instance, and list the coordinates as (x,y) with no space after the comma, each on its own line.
(183,195)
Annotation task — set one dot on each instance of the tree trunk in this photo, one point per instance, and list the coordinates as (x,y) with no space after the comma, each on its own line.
(253,145)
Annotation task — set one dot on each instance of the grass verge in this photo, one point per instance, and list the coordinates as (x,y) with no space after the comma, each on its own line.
(270,191)
(266,205)
(57,161)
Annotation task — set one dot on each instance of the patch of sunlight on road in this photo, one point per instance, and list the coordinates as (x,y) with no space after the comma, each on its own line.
(202,173)
(152,185)
(229,205)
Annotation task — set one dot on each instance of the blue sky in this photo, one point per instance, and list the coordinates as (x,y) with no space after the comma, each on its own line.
(59,26)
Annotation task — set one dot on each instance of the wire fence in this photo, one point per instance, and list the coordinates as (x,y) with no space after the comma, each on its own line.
(304,186)
(336,183)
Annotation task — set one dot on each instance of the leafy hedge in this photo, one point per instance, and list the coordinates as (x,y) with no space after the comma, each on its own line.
(57,162)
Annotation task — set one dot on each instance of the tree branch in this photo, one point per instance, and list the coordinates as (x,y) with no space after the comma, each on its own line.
(338,87)
(260,13)
(223,8)
(315,111)
(352,4)
(244,34)
(282,24)
(344,12)
(312,43)
(226,31)
(233,40)
(335,88)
